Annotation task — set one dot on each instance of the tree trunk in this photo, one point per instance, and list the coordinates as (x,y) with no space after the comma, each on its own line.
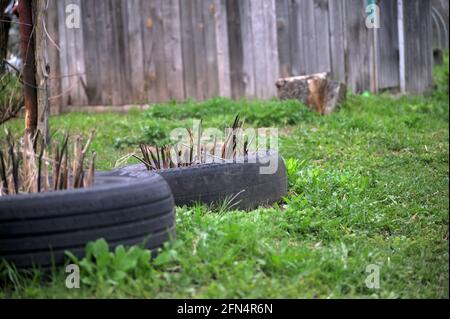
(4,32)
(29,67)
(317,91)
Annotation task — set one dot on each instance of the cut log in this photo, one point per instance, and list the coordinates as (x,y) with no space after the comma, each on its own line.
(317,91)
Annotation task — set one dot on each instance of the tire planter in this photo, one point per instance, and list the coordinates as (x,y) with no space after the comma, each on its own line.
(37,229)
(210,183)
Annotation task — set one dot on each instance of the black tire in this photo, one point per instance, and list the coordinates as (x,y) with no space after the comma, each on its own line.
(37,229)
(211,183)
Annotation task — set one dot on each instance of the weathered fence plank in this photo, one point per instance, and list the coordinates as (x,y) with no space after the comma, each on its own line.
(283,37)
(248,65)
(188,49)
(259,35)
(308,34)
(149,47)
(209,31)
(322,38)
(200,51)
(136,50)
(78,56)
(160,68)
(387,49)
(90,37)
(63,62)
(172,48)
(54,82)
(236,52)
(103,26)
(418,45)
(358,45)
(222,51)
(272,49)
(337,39)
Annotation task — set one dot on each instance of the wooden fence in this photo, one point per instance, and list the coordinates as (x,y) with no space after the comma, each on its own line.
(150,51)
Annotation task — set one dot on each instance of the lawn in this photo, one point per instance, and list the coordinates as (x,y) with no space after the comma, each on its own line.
(368,185)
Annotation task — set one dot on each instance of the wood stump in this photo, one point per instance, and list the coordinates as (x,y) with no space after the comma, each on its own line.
(317,91)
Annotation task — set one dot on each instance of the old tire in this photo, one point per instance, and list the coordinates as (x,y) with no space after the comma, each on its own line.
(211,183)
(37,229)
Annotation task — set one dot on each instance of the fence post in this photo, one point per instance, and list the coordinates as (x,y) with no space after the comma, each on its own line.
(42,68)
(401,45)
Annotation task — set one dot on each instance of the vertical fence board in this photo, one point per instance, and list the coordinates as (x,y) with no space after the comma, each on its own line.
(188,49)
(272,51)
(222,51)
(136,50)
(54,82)
(358,46)
(337,39)
(337,45)
(248,70)
(235,48)
(200,51)
(418,46)
(299,51)
(308,35)
(150,47)
(322,37)
(124,53)
(387,48)
(103,26)
(67,60)
(172,48)
(209,31)
(78,56)
(257,23)
(90,37)
(115,39)
(159,54)
(283,34)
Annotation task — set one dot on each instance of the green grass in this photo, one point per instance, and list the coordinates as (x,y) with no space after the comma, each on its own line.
(367,185)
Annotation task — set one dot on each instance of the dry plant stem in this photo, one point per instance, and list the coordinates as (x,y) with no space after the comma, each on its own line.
(77,162)
(146,160)
(29,170)
(199,150)
(55,165)
(89,179)
(155,160)
(147,164)
(64,173)
(3,178)
(213,153)
(45,172)
(14,159)
(41,154)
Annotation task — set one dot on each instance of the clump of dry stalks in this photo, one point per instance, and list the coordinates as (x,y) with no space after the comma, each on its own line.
(29,166)
(154,157)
